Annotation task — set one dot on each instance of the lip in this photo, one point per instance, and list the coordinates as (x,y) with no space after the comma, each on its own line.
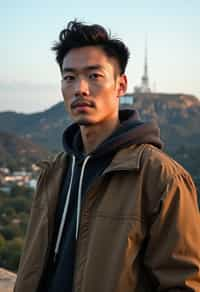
(81,105)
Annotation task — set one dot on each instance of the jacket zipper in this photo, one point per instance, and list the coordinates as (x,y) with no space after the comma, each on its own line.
(79,194)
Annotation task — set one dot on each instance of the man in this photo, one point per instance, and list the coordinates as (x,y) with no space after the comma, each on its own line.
(113,213)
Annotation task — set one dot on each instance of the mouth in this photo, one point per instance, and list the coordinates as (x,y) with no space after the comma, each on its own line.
(82,105)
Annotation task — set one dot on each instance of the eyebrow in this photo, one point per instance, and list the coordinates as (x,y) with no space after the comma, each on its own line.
(87,68)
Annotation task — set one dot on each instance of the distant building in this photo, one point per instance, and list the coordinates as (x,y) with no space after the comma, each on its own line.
(127,99)
(144,87)
(5,189)
(32,184)
(4,170)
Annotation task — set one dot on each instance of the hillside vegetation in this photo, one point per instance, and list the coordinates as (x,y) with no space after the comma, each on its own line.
(18,152)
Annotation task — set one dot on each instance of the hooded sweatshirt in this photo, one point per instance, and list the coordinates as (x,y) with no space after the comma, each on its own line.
(58,274)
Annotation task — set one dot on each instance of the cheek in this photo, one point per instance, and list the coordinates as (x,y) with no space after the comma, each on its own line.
(66,96)
(63,90)
(111,93)
(66,92)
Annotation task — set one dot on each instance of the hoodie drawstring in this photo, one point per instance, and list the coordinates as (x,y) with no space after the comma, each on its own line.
(60,232)
(79,194)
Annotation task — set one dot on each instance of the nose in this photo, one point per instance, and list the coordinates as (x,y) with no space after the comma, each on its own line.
(81,87)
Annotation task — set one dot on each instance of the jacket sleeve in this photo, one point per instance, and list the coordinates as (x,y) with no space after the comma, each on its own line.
(33,248)
(173,247)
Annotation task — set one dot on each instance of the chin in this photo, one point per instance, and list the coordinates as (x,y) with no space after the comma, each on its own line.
(84,122)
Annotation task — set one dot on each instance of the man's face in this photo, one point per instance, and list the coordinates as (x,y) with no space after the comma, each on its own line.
(91,85)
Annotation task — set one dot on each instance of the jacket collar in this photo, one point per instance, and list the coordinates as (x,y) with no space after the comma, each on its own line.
(126,159)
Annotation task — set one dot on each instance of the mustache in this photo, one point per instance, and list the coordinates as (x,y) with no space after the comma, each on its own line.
(82,101)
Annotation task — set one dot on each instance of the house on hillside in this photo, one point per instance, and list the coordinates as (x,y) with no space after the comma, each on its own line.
(127,99)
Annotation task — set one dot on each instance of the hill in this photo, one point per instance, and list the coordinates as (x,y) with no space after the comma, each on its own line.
(178,116)
(42,128)
(19,151)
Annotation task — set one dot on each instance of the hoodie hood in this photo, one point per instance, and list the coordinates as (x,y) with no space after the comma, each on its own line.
(131,131)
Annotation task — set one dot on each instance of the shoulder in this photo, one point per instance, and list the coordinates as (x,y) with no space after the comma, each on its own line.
(54,161)
(50,176)
(157,161)
(164,177)
(50,168)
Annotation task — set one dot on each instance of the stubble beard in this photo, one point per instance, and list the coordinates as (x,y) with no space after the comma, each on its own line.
(84,123)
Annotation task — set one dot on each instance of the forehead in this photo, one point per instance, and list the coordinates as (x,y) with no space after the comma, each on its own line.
(79,58)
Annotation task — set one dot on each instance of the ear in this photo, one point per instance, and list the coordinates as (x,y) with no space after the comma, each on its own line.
(122,85)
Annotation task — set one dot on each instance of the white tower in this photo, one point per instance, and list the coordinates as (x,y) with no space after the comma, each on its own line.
(145,79)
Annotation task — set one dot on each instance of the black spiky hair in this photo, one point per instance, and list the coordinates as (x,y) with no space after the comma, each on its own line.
(78,34)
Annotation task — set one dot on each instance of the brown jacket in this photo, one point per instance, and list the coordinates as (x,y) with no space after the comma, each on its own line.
(139,227)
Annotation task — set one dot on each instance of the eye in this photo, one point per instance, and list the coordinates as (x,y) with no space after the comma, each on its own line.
(95,76)
(68,78)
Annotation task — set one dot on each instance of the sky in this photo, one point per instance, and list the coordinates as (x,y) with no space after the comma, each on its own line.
(30,77)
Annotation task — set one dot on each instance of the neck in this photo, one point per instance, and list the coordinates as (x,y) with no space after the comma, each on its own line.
(94,135)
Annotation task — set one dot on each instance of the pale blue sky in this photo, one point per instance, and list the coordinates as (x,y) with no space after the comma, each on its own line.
(30,78)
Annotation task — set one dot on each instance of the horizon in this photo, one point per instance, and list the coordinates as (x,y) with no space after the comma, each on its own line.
(128,93)
(30,78)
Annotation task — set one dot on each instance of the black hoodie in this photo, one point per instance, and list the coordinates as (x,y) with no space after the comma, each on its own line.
(58,275)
